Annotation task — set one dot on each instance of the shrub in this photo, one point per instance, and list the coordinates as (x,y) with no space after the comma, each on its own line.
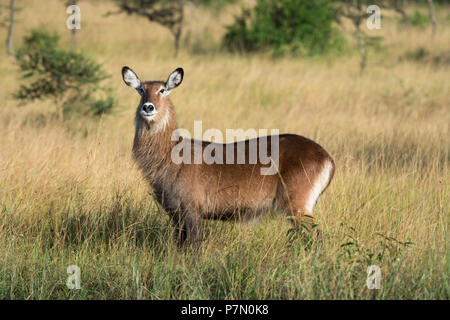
(418,19)
(280,25)
(71,79)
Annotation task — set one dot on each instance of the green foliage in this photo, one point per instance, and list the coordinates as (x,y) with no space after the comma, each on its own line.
(418,54)
(418,19)
(286,25)
(389,248)
(168,13)
(215,4)
(68,77)
(102,106)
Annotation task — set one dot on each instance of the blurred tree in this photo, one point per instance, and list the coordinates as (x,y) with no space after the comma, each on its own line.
(68,3)
(168,13)
(2,24)
(432,17)
(399,7)
(12,23)
(418,19)
(68,77)
(356,11)
(279,25)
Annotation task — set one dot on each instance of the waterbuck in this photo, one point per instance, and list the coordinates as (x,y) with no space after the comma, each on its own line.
(190,192)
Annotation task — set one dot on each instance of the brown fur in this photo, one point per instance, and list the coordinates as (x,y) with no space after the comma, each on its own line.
(192,192)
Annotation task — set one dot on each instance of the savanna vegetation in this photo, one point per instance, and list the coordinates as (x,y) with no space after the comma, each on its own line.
(70,193)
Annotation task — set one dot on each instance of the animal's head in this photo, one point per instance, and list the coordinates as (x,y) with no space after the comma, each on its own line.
(154,107)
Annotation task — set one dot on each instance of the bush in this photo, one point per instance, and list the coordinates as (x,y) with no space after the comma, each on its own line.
(418,19)
(285,25)
(68,77)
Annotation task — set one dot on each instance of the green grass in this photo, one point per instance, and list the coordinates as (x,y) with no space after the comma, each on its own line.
(125,250)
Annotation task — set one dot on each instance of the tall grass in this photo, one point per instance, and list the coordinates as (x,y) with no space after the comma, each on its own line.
(72,195)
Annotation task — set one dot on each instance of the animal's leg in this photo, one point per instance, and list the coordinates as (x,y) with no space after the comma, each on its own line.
(188,227)
(177,220)
(193,228)
(300,191)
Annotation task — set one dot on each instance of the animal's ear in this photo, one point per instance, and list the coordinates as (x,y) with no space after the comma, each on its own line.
(131,79)
(174,80)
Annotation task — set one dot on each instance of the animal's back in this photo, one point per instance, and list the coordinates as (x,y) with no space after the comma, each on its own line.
(222,190)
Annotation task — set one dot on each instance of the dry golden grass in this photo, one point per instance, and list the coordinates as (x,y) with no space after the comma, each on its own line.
(75,197)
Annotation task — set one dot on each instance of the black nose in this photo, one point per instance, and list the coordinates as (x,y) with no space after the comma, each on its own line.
(148,107)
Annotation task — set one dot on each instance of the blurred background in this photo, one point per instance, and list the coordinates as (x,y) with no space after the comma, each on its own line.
(376,98)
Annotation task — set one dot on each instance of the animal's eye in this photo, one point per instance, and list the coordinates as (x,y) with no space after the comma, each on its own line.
(162,90)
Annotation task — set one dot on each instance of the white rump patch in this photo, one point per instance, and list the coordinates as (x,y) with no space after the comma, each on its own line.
(318,186)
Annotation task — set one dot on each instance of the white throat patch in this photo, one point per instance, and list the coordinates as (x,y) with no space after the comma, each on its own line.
(162,124)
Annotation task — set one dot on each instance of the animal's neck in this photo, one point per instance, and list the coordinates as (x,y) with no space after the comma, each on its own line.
(153,145)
